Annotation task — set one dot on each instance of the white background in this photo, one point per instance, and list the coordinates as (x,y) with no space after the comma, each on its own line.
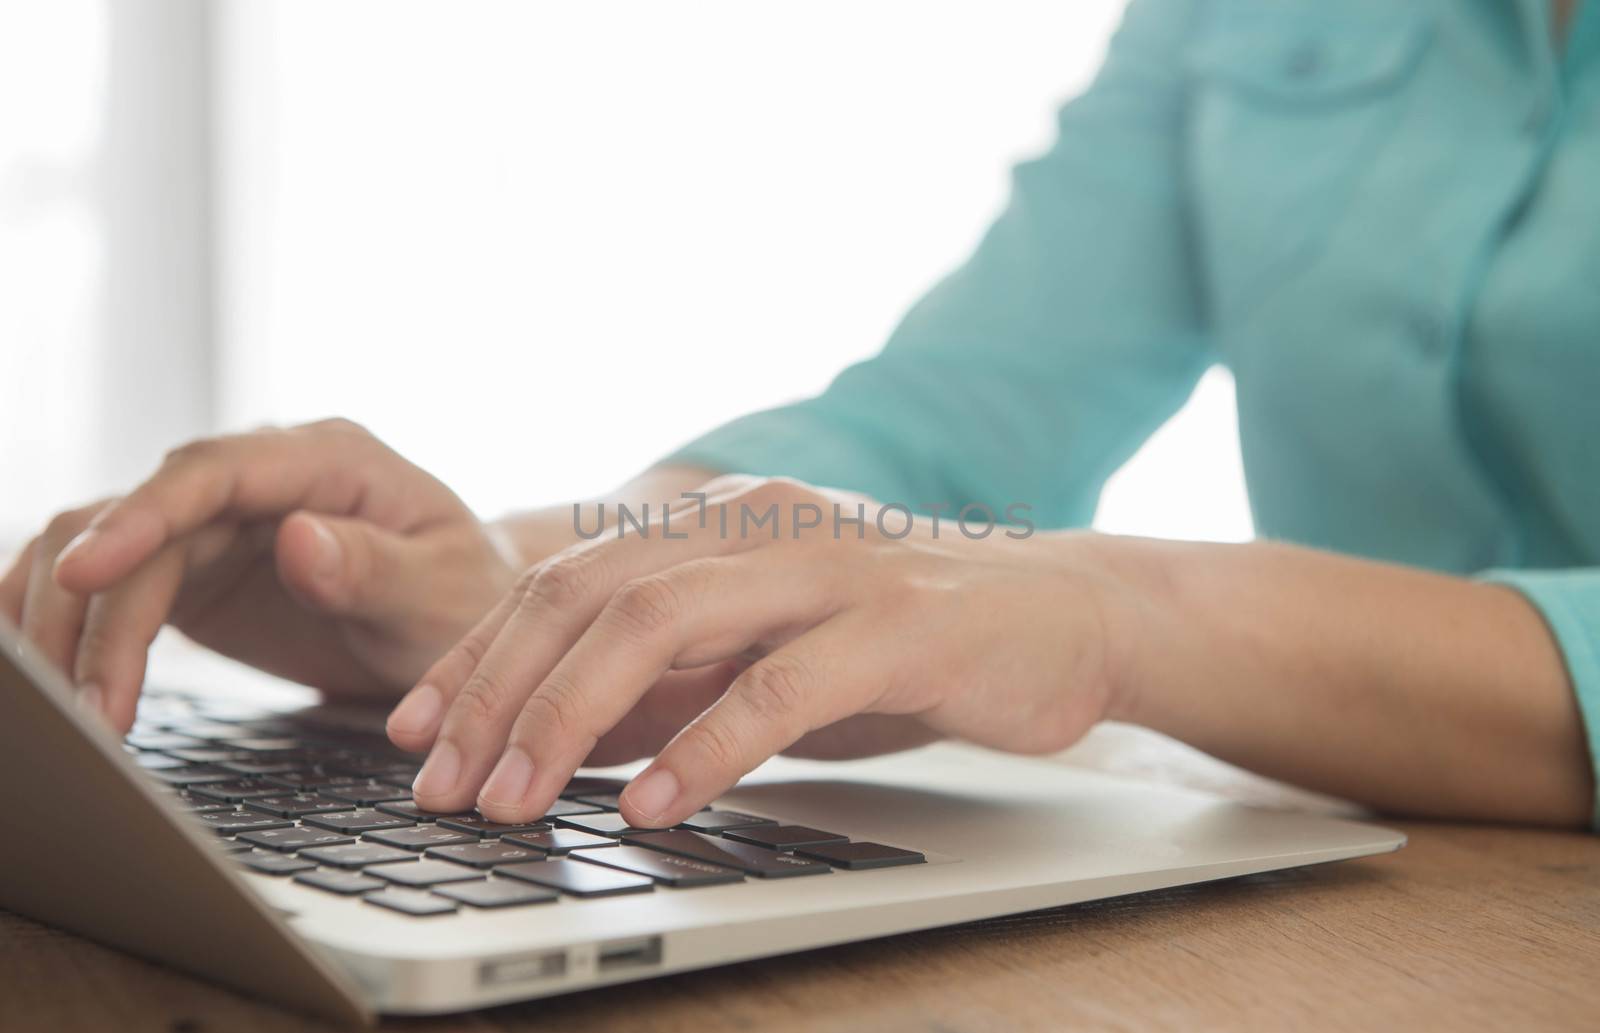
(536,246)
(51,82)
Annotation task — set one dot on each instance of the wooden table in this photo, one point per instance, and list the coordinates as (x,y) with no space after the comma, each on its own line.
(1468,928)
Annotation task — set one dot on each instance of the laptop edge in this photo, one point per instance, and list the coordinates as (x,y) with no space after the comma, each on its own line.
(68,782)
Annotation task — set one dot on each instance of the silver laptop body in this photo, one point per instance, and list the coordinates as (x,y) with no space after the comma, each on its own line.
(111,854)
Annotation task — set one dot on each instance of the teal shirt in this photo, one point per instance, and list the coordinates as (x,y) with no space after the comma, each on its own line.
(1382,216)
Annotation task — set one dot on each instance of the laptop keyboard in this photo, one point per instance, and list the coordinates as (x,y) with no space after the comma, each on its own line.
(330,807)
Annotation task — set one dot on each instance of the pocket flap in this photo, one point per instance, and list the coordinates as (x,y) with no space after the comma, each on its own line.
(1311,58)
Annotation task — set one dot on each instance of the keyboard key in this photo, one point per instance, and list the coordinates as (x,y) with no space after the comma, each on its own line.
(563,807)
(236,791)
(333,758)
(496,893)
(604,801)
(292,839)
(162,741)
(268,727)
(361,820)
(560,841)
(228,823)
(752,860)
(356,855)
(305,780)
(196,804)
(581,785)
(855,856)
(264,745)
(419,837)
(717,821)
(232,846)
(401,775)
(257,768)
(268,863)
(408,808)
(485,828)
(668,869)
(193,775)
(231,711)
(362,767)
(208,730)
(783,837)
(485,853)
(307,759)
(157,761)
(411,902)
(347,883)
(606,824)
(577,878)
(558,809)
(422,873)
(206,755)
(294,805)
(367,793)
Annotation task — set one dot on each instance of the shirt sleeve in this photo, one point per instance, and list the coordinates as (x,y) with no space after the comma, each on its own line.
(1036,369)
(1569,600)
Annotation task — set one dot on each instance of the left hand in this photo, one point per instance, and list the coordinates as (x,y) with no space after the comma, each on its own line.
(737,647)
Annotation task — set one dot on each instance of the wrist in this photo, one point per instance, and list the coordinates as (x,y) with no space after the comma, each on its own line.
(526,538)
(1138,598)
(535,535)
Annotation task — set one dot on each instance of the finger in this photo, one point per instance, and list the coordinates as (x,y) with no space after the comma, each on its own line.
(117,631)
(677,698)
(345,566)
(821,677)
(482,685)
(52,616)
(414,723)
(14,586)
(245,476)
(694,614)
(863,735)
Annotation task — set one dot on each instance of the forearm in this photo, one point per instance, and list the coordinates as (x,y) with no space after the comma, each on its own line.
(536,534)
(1409,691)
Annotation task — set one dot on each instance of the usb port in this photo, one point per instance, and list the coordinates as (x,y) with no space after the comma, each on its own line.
(522,968)
(636,952)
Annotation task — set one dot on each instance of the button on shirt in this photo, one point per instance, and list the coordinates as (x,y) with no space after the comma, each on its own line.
(1383,217)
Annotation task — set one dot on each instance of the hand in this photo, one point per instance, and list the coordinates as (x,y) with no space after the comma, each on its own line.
(316,553)
(738,646)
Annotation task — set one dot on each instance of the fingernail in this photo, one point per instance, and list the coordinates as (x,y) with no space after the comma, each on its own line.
(82,543)
(440,771)
(330,554)
(91,700)
(419,712)
(654,793)
(510,780)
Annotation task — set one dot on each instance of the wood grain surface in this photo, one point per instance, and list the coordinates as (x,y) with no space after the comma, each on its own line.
(1468,928)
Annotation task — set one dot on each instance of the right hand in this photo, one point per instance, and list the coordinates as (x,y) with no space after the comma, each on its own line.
(316,553)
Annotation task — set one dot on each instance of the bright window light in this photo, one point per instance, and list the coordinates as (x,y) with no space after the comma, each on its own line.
(52,59)
(534,246)
(537,246)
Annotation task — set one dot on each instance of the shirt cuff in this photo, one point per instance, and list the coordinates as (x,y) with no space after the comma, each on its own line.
(1569,600)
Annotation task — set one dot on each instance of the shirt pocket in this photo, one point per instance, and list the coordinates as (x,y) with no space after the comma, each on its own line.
(1287,111)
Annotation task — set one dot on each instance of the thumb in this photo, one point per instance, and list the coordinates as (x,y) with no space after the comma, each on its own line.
(341,566)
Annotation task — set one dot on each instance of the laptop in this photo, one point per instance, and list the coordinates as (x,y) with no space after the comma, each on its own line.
(276,850)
